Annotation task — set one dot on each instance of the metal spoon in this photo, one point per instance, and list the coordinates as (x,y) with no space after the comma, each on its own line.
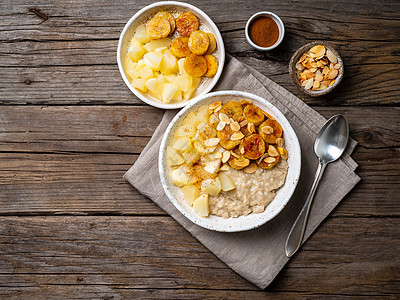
(329,145)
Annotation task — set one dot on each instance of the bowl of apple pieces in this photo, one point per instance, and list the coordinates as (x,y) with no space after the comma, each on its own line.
(170,53)
(230,161)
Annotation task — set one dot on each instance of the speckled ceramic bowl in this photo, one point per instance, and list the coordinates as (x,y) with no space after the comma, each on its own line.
(241,223)
(176,8)
(298,54)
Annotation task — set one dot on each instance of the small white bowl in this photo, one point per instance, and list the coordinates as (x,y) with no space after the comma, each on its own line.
(175,8)
(277,20)
(252,220)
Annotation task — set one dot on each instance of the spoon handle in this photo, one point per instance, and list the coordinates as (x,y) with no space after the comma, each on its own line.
(296,234)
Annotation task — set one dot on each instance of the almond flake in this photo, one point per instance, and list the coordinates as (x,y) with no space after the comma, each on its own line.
(241,150)
(309,84)
(332,82)
(269,160)
(280,142)
(217,108)
(267,129)
(214,105)
(332,74)
(224,167)
(265,155)
(243,123)
(234,154)
(284,153)
(272,151)
(224,118)
(212,142)
(331,56)
(214,119)
(225,156)
(221,126)
(237,136)
(235,126)
(318,50)
(251,128)
(250,168)
(337,66)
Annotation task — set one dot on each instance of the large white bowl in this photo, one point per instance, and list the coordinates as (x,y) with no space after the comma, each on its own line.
(176,8)
(244,222)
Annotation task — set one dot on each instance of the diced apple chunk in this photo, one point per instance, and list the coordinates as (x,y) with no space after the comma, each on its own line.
(151,84)
(173,158)
(154,44)
(226,182)
(185,130)
(190,193)
(200,206)
(179,177)
(169,63)
(182,144)
(141,34)
(153,59)
(135,50)
(211,186)
(212,166)
(169,90)
(190,92)
(145,73)
(139,84)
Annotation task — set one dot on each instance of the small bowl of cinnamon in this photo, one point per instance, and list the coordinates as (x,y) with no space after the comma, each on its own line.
(264,31)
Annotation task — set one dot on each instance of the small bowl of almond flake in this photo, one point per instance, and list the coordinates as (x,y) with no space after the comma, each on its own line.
(316,68)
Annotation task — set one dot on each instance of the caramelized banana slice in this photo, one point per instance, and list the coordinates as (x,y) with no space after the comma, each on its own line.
(198,42)
(252,146)
(238,161)
(179,47)
(195,65)
(158,27)
(169,17)
(186,23)
(213,43)
(225,138)
(268,162)
(233,110)
(253,114)
(212,65)
(270,130)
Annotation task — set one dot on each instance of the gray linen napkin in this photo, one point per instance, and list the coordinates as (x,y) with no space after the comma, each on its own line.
(258,255)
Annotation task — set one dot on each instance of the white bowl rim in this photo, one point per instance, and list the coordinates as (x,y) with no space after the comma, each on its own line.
(296,168)
(279,22)
(220,44)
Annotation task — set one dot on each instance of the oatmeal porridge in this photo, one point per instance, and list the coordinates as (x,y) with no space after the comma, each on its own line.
(228,159)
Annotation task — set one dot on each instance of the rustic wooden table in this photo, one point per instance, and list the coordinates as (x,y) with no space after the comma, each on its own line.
(71,227)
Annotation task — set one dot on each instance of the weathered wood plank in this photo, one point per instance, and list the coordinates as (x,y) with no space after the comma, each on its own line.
(71,159)
(80,44)
(130,256)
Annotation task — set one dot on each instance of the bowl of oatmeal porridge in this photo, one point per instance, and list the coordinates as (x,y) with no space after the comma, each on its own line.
(229,161)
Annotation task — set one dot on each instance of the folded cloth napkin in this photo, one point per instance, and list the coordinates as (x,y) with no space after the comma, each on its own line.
(259,254)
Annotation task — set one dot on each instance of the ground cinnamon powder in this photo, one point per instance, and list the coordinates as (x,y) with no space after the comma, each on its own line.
(264,32)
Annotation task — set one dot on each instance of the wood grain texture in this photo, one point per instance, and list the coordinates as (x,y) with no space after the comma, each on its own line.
(127,257)
(80,41)
(70,128)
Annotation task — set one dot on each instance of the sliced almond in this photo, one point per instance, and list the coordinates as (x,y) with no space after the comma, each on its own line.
(241,150)
(332,82)
(309,84)
(267,129)
(272,151)
(235,126)
(337,66)
(217,155)
(225,167)
(299,67)
(251,168)
(318,50)
(217,108)
(221,126)
(251,128)
(280,142)
(212,142)
(225,156)
(269,160)
(316,84)
(214,105)
(313,70)
(237,136)
(332,74)
(331,56)
(224,118)
(214,119)
(265,155)
(283,152)
(318,78)
(243,123)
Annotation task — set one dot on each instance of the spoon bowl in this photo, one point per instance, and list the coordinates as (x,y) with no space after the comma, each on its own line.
(329,145)
(332,139)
